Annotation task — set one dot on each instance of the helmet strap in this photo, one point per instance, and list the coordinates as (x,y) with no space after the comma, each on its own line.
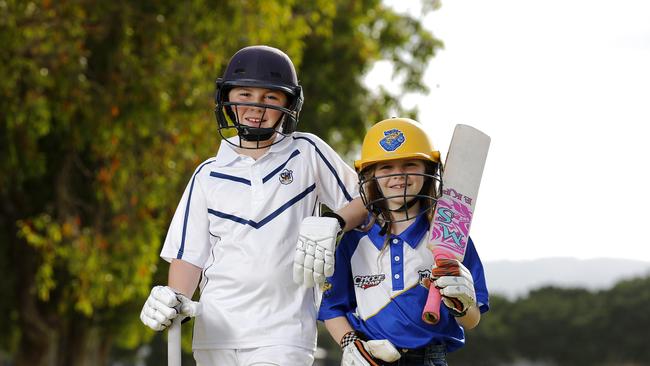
(406,206)
(256,134)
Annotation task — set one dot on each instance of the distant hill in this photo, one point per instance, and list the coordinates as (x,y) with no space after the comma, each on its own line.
(516,278)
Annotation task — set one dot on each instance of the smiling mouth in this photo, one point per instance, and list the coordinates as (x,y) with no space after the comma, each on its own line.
(399,186)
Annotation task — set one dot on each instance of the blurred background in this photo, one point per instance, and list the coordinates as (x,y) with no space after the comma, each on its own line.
(106,110)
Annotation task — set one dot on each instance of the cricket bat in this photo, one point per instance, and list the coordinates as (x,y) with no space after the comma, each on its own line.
(452,217)
(174,342)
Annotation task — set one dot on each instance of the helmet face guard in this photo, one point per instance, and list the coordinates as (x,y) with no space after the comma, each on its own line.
(258,67)
(376,201)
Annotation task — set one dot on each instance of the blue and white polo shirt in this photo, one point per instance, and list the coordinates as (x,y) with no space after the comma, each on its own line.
(383,295)
(239,219)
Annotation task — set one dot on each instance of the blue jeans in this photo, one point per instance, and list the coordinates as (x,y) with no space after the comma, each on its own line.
(434,355)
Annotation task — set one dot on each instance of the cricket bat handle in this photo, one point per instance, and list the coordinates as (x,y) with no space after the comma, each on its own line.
(174,342)
(431,313)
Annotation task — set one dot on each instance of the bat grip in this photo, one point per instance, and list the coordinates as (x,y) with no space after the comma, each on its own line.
(174,342)
(431,312)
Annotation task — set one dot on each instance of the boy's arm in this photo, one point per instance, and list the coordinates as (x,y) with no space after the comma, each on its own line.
(354,214)
(183,277)
(166,302)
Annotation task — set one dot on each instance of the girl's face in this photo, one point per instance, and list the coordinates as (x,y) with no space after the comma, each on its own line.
(253,116)
(404,183)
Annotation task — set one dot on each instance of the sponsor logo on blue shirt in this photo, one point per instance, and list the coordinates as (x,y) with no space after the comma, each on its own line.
(366,282)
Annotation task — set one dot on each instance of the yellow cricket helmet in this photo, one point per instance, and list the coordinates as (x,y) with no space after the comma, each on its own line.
(396,138)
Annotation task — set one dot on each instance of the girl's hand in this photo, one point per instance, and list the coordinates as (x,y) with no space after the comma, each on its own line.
(456,285)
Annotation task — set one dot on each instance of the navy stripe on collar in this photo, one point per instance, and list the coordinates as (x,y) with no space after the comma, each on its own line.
(230,177)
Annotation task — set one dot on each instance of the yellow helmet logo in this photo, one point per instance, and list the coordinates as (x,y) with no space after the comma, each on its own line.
(396,138)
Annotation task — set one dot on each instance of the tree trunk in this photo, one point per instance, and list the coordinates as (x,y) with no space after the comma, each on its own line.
(49,338)
(38,340)
(88,346)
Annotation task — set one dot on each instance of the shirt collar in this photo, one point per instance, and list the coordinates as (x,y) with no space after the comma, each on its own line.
(412,235)
(227,153)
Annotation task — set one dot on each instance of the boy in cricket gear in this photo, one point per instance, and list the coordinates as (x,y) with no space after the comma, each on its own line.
(381,277)
(235,229)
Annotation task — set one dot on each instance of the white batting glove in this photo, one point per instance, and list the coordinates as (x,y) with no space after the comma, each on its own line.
(367,353)
(456,285)
(314,257)
(163,305)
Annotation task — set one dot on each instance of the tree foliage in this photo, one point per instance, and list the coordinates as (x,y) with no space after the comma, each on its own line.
(560,326)
(106,110)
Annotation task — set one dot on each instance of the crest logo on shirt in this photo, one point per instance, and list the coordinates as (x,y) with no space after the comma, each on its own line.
(393,139)
(366,282)
(424,274)
(286,176)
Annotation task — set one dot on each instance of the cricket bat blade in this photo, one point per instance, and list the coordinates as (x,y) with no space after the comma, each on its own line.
(461,178)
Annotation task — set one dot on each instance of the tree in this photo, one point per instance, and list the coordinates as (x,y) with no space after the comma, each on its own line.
(564,326)
(106,111)
(335,59)
(490,342)
(624,322)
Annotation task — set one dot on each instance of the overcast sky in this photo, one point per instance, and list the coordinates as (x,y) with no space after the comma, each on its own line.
(563,89)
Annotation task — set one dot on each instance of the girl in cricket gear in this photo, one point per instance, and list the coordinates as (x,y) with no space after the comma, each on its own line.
(373,302)
(235,230)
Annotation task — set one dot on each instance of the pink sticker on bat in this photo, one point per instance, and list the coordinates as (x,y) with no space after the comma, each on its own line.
(451,224)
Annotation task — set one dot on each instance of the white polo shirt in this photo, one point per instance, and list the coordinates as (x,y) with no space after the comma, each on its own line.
(239,219)
(383,295)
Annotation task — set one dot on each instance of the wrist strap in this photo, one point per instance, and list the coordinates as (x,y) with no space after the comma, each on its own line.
(337,217)
(456,313)
(348,338)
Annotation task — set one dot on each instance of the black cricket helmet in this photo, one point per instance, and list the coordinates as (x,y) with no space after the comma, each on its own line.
(259,67)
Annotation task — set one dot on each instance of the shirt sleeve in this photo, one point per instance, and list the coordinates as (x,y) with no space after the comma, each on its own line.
(473,262)
(337,181)
(188,237)
(339,297)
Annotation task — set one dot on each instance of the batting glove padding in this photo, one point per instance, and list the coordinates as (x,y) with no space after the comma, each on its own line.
(163,305)
(456,285)
(314,257)
(367,353)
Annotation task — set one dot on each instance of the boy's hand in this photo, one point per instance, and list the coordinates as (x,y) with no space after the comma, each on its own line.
(314,257)
(163,305)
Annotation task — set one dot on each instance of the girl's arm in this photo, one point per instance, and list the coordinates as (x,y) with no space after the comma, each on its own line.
(471,318)
(337,327)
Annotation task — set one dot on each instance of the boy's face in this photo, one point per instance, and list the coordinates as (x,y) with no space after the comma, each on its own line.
(254,116)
